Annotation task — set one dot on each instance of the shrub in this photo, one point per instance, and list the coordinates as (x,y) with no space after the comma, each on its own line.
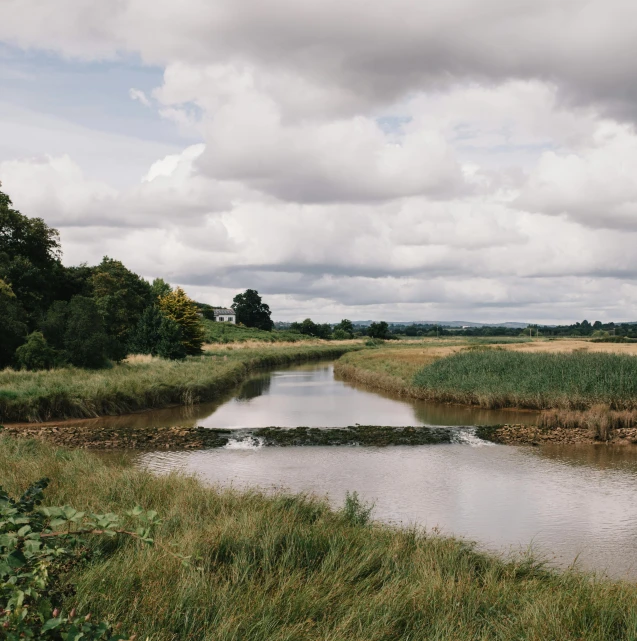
(36,353)
(37,546)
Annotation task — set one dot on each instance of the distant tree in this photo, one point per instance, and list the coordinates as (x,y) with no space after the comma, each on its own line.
(121,296)
(36,353)
(177,306)
(13,328)
(160,288)
(252,311)
(85,340)
(309,328)
(378,330)
(346,326)
(341,335)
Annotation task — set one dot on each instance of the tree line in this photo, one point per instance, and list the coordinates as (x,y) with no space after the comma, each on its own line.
(53,315)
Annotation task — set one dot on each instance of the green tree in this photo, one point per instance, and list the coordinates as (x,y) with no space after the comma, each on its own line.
(85,340)
(252,311)
(36,353)
(29,259)
(160,288)
(346,326)
(177,306)
(158,335)
(170,344)
(121,297)
(13,329)
(54,324)
(378,330)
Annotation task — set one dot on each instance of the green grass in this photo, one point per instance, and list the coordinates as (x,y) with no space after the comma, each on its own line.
(71,392)
(230,333)
(496,378)
(289,568)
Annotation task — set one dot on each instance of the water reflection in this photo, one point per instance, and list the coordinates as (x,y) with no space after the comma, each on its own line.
(506,498)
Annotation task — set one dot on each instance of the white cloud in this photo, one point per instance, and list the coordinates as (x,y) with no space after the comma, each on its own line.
(139,95)
(467,159)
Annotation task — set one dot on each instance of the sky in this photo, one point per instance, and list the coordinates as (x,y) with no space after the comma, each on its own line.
(470,160)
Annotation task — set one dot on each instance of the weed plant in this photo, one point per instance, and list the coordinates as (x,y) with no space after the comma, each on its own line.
(282,567)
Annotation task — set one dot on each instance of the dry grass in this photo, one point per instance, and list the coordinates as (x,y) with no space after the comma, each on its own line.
(599,420)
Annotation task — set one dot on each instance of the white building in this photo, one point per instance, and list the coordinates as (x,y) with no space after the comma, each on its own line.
(224,315)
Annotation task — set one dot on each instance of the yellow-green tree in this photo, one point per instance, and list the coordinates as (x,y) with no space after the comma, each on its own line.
(177,306)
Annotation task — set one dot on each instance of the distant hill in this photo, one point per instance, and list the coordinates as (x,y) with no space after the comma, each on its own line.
(514,325)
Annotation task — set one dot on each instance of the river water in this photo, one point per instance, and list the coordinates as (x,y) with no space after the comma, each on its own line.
(568,503)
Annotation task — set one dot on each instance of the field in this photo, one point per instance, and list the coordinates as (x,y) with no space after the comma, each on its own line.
(283,568)
(144,382)
(231,333)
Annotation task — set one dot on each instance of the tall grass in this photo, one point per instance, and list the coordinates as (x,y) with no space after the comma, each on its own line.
(141,383)
(496,378)
(289,568)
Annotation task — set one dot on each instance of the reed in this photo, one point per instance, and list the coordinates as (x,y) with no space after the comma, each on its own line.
(281,567)
(497,378)
(142,383)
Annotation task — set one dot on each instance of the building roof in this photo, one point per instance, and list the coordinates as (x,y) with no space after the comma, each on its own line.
(224,312)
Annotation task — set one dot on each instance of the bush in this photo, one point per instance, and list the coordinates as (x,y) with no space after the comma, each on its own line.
(36,353)
(38,545)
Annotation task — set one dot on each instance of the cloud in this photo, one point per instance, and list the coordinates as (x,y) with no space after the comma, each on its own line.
(469,159)
(140,96)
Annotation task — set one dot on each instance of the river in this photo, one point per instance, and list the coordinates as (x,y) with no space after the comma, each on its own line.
(567,503)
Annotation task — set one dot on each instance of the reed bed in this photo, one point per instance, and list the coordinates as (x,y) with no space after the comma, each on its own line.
(497,378)
(141,383)
(281,567)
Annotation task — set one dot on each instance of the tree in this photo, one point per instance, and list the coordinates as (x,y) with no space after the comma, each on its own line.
(158,335)
(309,328)
(29,259)
(177,306)
(378,330)
(85,340)
(13,329)
(252,311)
(36,353)
(346,325)
(121,297)
(170,344)
(160,288)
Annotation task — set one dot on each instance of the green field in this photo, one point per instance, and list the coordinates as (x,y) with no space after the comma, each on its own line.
(496,378)
(142,384)
(284,568)
(230,333)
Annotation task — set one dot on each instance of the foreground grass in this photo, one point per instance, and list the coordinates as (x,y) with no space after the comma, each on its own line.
(289,568)
(496,378)
(142,383)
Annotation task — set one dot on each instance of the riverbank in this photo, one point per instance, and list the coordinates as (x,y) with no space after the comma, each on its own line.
(585,392)
(144,383)
(288,567)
